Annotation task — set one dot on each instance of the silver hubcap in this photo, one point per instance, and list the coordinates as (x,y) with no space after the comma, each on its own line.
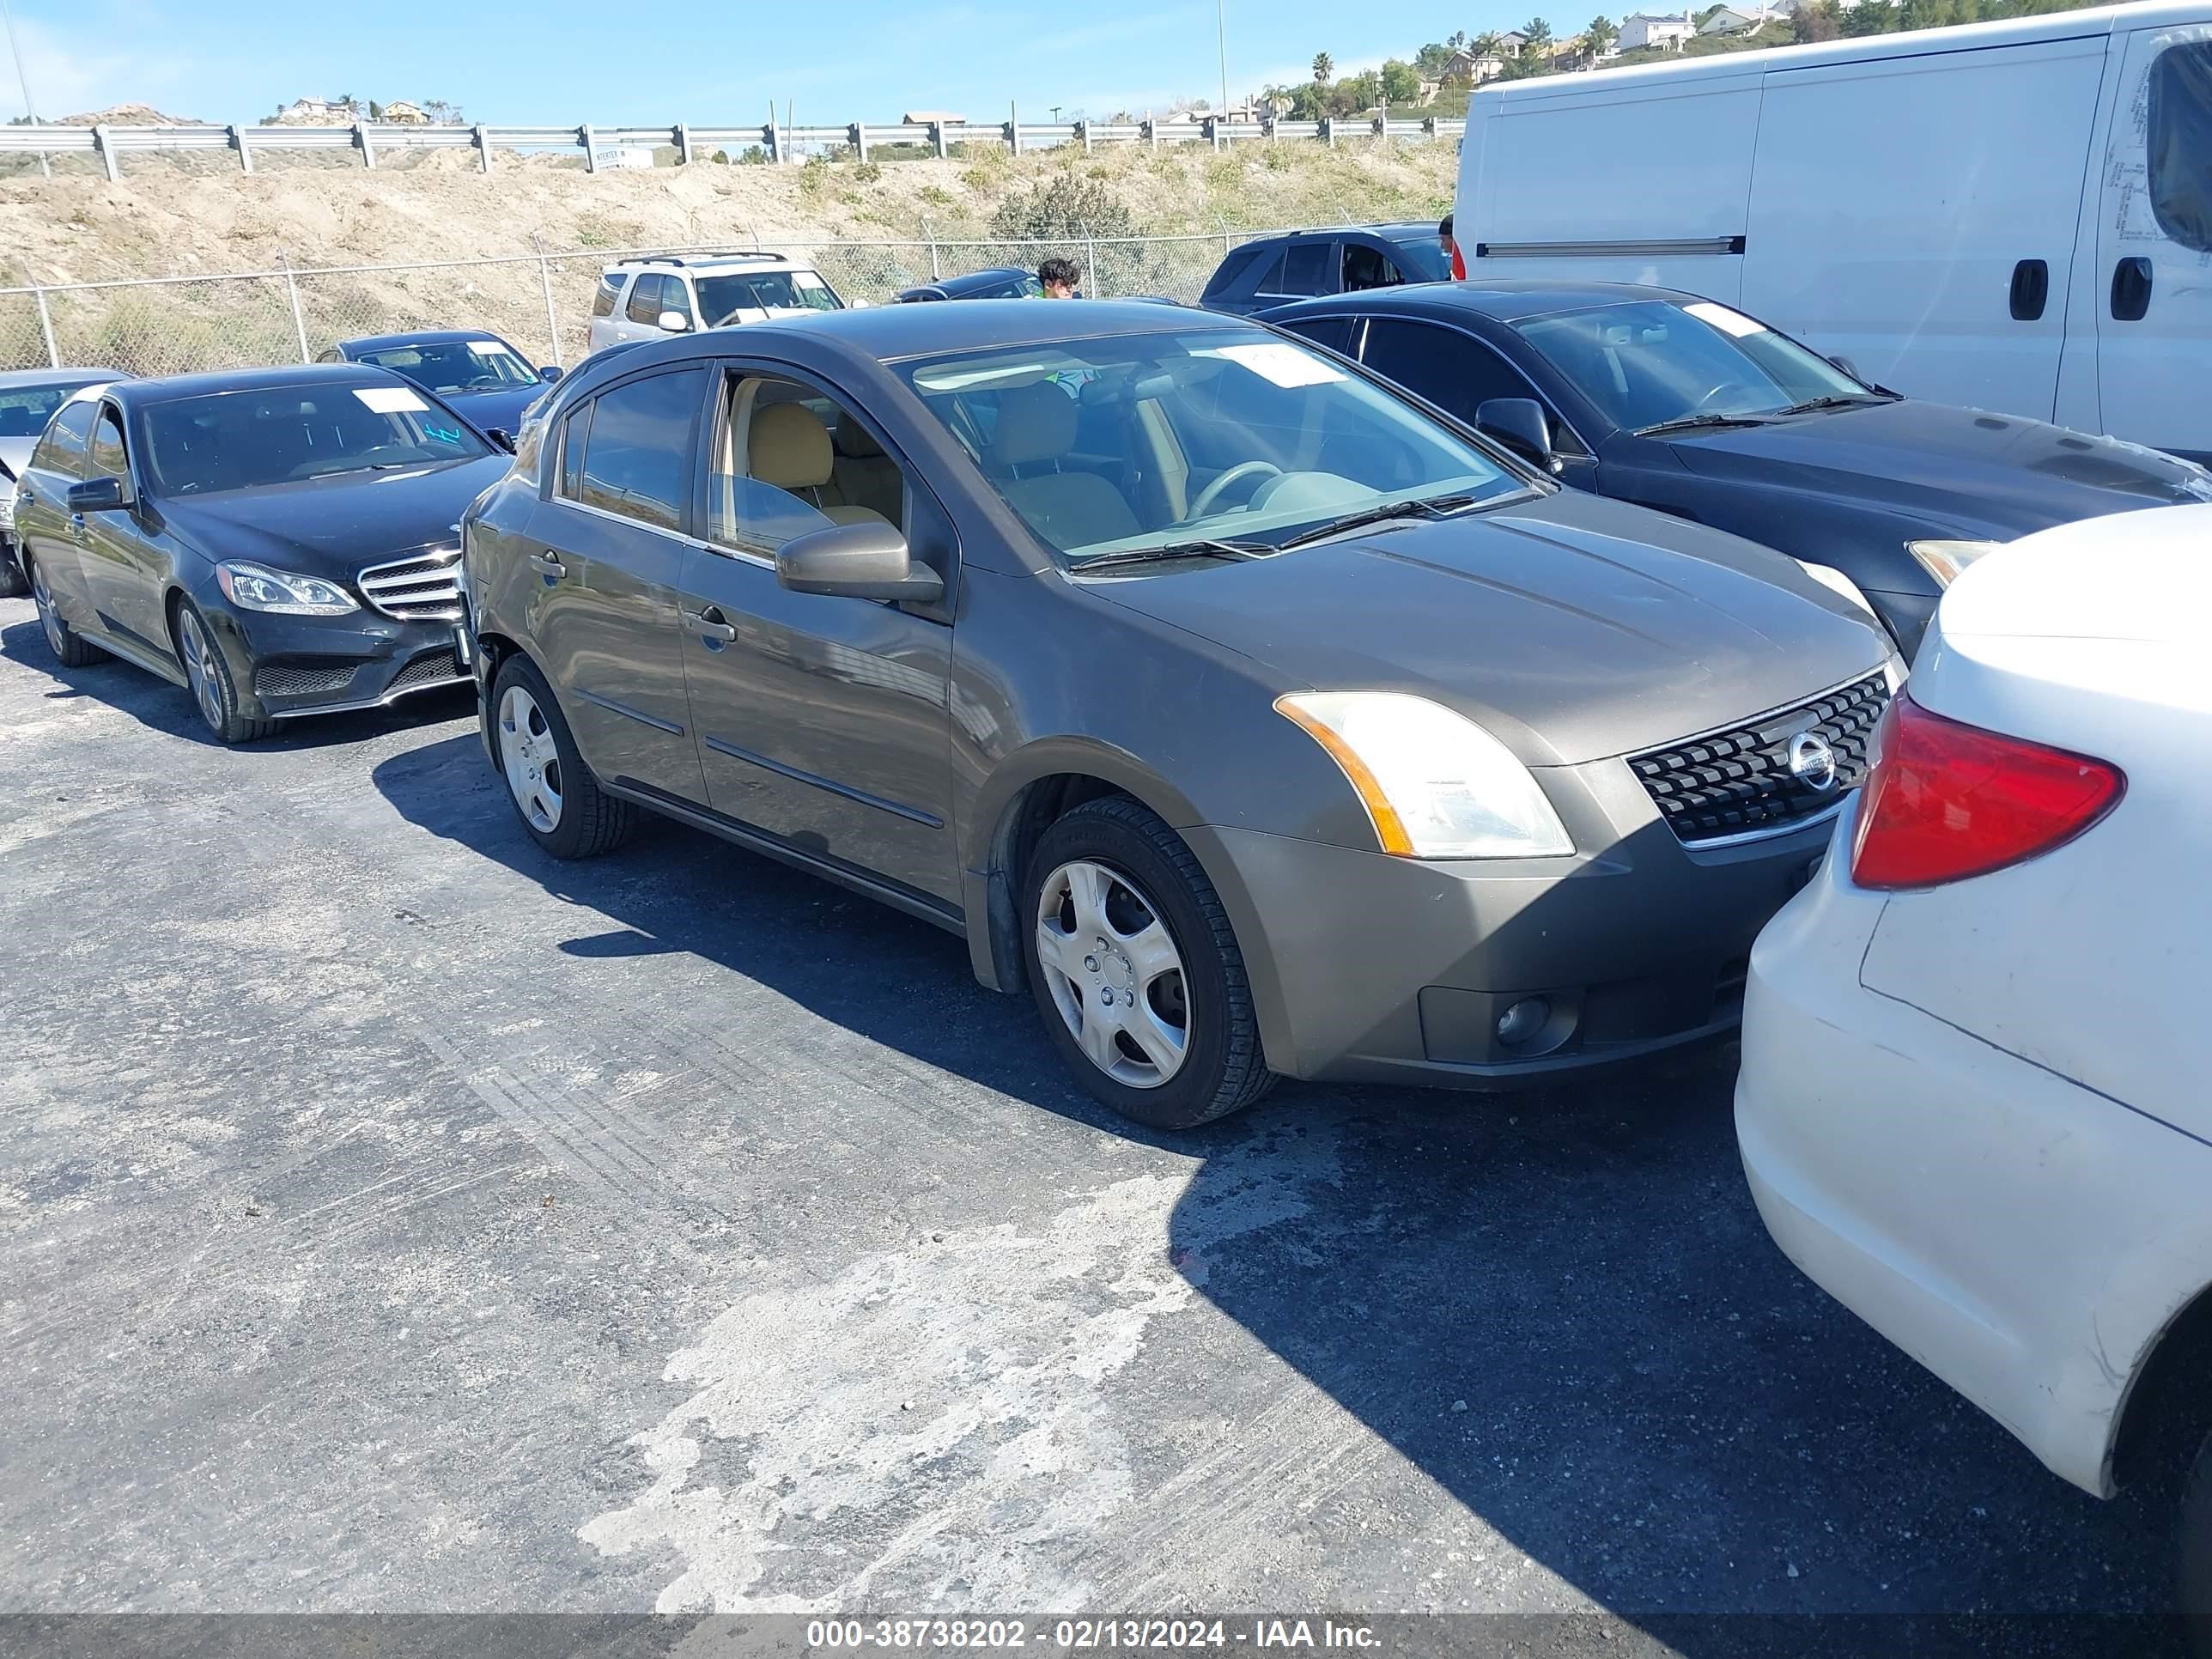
(532,759)
(43,597)
(1115,974)
(199,668)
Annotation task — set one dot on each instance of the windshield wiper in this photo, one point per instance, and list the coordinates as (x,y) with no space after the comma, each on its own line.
(1204,547)
(1815,405)
(1695,423)
(1439,506)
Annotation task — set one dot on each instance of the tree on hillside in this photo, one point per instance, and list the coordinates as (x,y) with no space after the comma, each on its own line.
(1458,42)
(1539,33)
(1600,35)
(1814,21)
(1402,83)
(1488,41)
(1430,60)
(1870,17)
(1324,67)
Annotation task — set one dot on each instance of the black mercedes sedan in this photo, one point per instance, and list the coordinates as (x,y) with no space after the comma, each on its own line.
(280,541)
(1689,406)
(999,282)
(470,369)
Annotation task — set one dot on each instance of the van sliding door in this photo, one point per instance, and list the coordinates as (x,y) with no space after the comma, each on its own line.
(1916,214)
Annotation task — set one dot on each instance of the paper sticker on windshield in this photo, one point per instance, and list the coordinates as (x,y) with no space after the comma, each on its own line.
(1728,322)
(488,348)
(1274,361)
(390,400)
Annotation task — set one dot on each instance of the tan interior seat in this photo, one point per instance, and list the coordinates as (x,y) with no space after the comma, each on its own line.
(864,475)
(1035,431)
(789,447)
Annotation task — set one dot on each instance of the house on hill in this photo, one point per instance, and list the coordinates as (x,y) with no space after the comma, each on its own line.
(1645,31)
(405,115)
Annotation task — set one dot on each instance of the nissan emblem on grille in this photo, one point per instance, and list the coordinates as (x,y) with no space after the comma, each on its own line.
(1769,773)
(1813,761)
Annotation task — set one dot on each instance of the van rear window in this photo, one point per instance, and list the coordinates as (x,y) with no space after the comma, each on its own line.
(2179,142)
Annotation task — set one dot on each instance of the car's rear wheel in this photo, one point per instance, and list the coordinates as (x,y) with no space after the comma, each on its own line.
(555,794)
(1136,970)
(69,647)
(207,675)
(2195,1590)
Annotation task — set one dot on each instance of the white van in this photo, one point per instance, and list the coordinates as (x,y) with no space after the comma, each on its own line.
(2014,215)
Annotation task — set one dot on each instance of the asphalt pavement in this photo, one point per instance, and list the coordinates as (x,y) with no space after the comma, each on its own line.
(393,1218)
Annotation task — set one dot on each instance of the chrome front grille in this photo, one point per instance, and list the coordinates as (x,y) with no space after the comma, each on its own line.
(424,588)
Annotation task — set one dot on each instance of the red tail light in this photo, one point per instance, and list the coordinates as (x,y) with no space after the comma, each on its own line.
(1945,800)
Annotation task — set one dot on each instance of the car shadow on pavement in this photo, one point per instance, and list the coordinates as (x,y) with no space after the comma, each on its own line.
(155,703)
(1559,1306)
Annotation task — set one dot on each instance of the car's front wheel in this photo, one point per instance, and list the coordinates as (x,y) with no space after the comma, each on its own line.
(207,675)
(2194,1597)
(1136,971)
(71,649)
(12,583)
(555,794)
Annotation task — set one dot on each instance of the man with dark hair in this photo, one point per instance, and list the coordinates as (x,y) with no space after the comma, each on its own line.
(1449,243)
(1057,278)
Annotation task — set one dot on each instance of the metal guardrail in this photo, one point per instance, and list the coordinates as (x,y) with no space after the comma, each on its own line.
(777,142)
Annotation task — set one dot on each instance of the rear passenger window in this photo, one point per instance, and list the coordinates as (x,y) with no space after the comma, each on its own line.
(1305,271)
(1365,267)
(62,450)
(2179,138)
(1238,266)
(637,457)
(107,458)
(604,297)
(645,300)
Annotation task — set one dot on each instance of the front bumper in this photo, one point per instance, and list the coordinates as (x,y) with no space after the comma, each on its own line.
(285,666)
(2025,1239)
(1373,969)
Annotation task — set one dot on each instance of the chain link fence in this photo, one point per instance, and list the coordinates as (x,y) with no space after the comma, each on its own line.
(540,302)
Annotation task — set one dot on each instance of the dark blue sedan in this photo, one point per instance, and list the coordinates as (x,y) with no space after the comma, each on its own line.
(1689,406)
(478,374)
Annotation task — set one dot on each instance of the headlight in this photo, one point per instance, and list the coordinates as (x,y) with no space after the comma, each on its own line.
(1435,785)
(1945,560)
(256,587)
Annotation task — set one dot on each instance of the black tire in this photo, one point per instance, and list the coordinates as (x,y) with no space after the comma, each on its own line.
(2193,1593)
(1223,1070)
(71,649)
(590,820)
(13,583)
(207,678)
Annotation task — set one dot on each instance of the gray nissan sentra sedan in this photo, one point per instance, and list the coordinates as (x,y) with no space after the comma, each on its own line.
(1253,720)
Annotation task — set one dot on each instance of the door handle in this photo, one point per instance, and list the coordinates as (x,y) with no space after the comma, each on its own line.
(548,564)
(2130,289)
(710,624)
(2030,289)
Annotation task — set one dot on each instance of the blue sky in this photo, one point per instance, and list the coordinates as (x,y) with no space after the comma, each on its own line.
(834,60)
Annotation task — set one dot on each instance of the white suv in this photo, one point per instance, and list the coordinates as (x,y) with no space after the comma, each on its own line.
(642,299)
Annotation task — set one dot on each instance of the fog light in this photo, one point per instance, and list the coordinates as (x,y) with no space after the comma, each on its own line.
(1518,1023)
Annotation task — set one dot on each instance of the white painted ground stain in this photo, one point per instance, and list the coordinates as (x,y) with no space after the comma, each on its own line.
(936,1420)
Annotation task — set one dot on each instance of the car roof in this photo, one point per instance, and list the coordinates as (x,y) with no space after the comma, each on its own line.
(417,337)
(890,332)
(1508,300)
(139,394)
(14,379)
(1393,230)
(708,262)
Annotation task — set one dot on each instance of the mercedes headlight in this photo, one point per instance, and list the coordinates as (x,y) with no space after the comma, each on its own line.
(1435,784)
(1945,560)
(256,587)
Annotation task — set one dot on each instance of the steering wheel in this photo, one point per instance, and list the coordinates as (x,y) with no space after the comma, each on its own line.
(1212,493)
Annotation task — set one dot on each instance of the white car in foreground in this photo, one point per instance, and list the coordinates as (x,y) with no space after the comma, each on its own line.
(1976,1101)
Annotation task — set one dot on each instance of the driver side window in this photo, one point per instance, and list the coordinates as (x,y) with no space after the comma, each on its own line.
(108,459)
(789,459)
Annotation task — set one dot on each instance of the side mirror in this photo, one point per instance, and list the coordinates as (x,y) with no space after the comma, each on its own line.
(1851,368)
(97,495)
(857,561)
(1519,424)
(550,374)
(674,322)
(500,437)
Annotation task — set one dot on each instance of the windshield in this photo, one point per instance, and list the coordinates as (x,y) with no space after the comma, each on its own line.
(1648,362)
(720,297)
(25,409)
(1424,258)
(1145,441)
(456,364)
(243,439)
